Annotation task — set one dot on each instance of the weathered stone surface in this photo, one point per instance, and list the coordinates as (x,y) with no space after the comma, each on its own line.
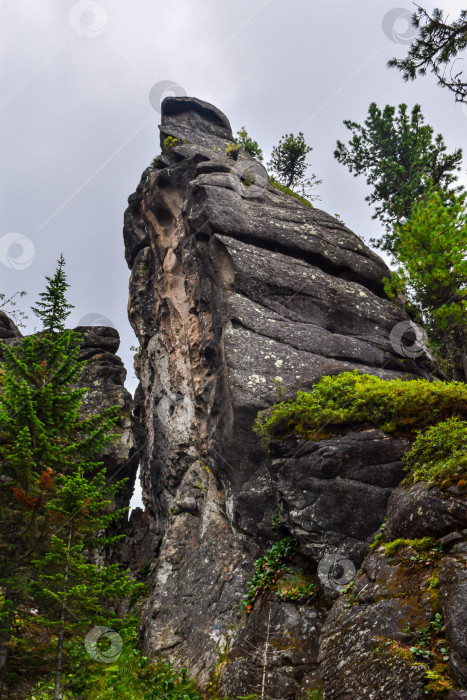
(235,290)
(278,646)
(453,600)
(369,632)
(200,575)
(333,494)
(7,328)
(104,376)
(97,338)
(365,652)
(141,545)
(422,512)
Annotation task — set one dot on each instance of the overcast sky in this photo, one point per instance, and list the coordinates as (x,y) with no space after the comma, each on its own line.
(78,127)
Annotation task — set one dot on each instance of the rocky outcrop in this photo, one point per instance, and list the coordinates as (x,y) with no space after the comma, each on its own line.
(321,488)
(236,291)
(104,376)
(369,636)
(8,329)
(278,647)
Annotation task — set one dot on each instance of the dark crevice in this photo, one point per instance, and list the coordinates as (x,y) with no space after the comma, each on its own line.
(164,216)
(295,320)
(237,324)
(312,259)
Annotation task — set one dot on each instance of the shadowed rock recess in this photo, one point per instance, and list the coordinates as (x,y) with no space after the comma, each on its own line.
(237,289)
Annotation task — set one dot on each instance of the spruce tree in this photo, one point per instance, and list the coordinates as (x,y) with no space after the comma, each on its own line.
(73,592)
(44,441)
(54,309)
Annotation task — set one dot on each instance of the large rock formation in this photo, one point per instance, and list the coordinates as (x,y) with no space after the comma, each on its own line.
(236,291)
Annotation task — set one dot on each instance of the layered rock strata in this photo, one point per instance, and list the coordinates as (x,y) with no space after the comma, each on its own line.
(236,291)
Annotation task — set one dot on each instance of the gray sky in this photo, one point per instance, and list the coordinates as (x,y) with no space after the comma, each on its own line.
(78,129)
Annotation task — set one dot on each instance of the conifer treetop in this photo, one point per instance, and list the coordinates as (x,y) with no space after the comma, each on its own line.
(54,309)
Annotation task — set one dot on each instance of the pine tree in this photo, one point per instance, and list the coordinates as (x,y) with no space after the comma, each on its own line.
(43,441)
(401,159)
(437,47)
(289,166)
(432,253)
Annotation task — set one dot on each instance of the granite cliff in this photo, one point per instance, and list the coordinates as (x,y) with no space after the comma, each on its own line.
(239,293)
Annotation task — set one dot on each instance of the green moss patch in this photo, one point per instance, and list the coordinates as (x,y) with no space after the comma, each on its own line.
(424,544)
(352,400)
(287,190)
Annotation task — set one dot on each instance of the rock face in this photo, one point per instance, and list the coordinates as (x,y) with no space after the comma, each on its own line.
(104,376)
(8,330)
(321,487)
(367,638)
(237,289)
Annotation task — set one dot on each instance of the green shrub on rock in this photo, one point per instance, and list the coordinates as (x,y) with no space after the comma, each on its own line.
(440,453)
(268,568)
(432,413)
(288,191)
(351,398)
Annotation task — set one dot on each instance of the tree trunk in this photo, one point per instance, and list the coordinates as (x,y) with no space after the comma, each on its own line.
(10,596)
(61,631)
(265,657)
(4,639)
(5,632)
(463,354)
